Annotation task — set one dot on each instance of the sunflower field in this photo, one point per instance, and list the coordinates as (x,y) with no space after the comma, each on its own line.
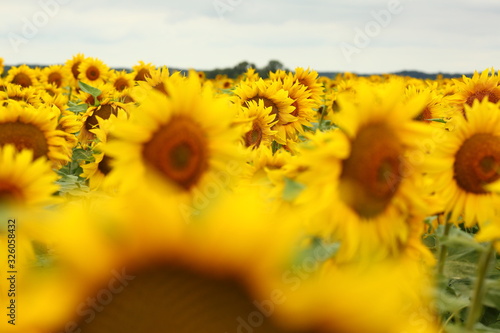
(157,201)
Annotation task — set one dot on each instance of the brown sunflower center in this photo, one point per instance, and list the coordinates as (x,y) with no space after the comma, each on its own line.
(120,84)
(371,175)
(10,192)
(141,74)
(105,166)
(477,162)
(267,103)
(92,73)
(74,69)
(254,136)
(425,115)
(24,136)
(22,79)
(104,111)
(480,95)
(161,88)
(55,78)
(176,300)
(178,150)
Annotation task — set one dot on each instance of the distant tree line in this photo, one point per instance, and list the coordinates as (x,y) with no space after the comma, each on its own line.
(242,67)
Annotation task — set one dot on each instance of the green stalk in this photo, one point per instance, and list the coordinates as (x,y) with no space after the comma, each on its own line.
(443,248)
(479,288)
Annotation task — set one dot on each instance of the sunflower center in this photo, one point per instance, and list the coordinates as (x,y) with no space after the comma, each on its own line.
(178,151)
(105,166)
(254,136)
(22,79)
(92,73)
(103,111)
(425,115)
(121,84)
(74,69)
(371,175)
(24,136)
(141,74)
(161,88)
(10,192)
(267,103)
(479,95)
(55,78)
(170,299)
(477,162)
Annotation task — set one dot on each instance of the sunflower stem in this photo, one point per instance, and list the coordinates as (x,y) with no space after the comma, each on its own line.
(479,288)
(443,248)
(320,123)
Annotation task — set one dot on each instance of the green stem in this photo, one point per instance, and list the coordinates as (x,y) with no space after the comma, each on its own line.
(479,288)
(443,249)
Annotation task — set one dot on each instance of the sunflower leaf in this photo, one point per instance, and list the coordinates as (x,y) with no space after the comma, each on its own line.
(89,89)
(292,189)
(78,108)
(437,120)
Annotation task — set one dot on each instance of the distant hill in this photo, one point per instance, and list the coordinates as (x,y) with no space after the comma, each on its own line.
(408,73)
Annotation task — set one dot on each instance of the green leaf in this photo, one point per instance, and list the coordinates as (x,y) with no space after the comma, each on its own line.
(437,120)
(80,154)
(292,189)
(79,108)
(89,89)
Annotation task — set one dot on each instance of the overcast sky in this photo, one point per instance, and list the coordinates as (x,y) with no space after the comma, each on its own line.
(364,36)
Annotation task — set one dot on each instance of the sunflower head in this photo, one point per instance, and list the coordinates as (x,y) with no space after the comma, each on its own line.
(23,76)
(93,71)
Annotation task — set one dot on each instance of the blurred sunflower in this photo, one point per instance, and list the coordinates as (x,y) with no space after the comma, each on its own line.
(261,122)
(71,66)
(364,180)
(142,70)
(23,96)
(56,75)
(158,78)
(25,181)
(467,162)
(121,80)
(177,143)
(93,71)
(1,66)
(34,129)
(273,95)
(309,78)
(23,76)
(105,110)
(478,87)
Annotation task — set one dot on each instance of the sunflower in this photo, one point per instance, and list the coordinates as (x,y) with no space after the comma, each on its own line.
(93,71)
(71,66)
(261,122)
(23,96)
(23,76)
(23,180)
(181,143)
(478,87)
(34,129)
(187,277)
(466,162)
(363,182)
(105,110)
(1,66)
(273,95)
(309,78)
(121,80)
(158,78)
(142,70)
(56,75)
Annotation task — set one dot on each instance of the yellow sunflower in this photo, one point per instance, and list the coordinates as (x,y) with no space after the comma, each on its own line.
(34,129)
(71,67)
(466,162)
(158,78)
(23,180)
(477,88)
(56,75)
(309,78)
(93,71)
(121,80)
(261,122)
(1,66)
(142,70)
(23,76)
(364,181)
(180,144)
(273,95)
(23,96)
(105,110)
